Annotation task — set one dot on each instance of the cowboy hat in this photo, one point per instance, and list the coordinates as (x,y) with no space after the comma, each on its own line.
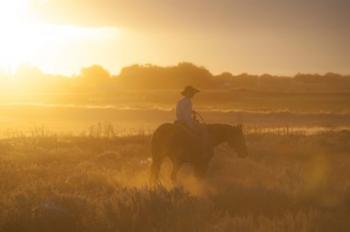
(189,90)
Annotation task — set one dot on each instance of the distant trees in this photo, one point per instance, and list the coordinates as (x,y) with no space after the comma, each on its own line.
(29,73)
(155,77)
(97,79)
(95,73)
(94,78)
(329,82)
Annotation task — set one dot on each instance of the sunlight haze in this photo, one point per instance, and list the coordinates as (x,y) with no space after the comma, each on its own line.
(174,115)
(278,37)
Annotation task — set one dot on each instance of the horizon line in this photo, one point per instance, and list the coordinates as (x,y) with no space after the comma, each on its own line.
(13,71)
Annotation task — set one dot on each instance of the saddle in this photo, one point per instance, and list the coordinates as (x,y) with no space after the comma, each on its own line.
(193,132)
(198,135)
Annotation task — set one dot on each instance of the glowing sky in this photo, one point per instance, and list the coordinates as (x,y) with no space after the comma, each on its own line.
(255,36)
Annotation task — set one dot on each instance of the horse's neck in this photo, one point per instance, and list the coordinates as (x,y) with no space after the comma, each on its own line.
(217,133)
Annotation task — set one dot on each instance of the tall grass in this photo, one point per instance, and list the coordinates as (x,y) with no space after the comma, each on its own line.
(95,182)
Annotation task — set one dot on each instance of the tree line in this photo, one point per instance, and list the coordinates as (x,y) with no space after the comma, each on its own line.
(153,77)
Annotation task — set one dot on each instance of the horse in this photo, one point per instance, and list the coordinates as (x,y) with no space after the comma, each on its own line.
(180,146)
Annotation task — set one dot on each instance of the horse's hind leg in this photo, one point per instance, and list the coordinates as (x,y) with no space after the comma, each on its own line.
(155,169)
(176,168)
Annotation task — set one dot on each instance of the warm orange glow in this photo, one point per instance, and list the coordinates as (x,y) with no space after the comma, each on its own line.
(186,115)
(26,40)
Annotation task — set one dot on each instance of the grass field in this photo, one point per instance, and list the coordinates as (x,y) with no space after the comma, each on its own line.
(94,183)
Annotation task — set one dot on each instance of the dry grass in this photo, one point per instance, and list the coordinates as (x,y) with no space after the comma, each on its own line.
(95,183)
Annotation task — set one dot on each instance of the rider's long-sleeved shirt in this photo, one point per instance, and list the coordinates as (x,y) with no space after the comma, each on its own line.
(184,111)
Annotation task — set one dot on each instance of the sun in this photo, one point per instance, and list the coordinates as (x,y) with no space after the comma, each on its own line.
(13,25)
(13,8)
(26,39)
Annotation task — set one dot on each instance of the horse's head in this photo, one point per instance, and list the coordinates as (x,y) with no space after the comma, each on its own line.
(236,140)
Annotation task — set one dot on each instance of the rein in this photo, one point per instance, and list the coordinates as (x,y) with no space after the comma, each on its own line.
(200,117)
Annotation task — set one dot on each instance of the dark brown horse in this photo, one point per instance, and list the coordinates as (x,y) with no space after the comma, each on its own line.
(174,142)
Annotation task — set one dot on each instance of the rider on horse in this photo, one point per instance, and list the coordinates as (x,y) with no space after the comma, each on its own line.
(186,118)
(184,112)
(188,141)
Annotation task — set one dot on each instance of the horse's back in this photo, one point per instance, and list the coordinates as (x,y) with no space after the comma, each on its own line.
(164,127)
(163,131)
(172,131)
(170,136)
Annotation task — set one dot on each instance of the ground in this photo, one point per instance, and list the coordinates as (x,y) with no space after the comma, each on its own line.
(289,182)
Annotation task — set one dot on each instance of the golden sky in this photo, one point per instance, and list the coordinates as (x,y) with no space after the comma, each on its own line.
(254,36)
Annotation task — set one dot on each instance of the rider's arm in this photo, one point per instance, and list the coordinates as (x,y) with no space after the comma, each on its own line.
(188,112)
